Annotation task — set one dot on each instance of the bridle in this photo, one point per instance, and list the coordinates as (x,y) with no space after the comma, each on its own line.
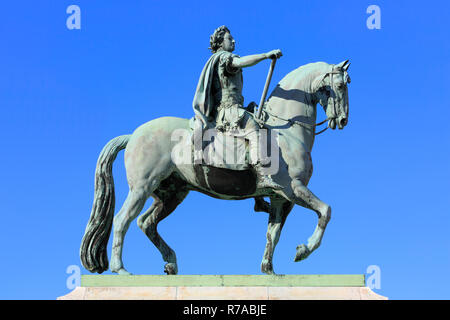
(331,103)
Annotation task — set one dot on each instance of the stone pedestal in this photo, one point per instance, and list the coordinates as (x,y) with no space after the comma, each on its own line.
(222,287)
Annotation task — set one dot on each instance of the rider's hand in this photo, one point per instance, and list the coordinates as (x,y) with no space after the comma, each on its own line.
(274,54)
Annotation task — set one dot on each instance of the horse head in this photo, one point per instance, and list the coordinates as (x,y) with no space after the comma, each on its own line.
(332,94)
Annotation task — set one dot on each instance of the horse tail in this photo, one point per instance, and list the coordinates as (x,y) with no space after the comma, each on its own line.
(93,246)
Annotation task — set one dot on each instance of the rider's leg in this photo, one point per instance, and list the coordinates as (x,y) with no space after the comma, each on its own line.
(256,155)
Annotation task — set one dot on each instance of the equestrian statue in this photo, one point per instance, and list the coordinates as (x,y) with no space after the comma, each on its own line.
(222,152)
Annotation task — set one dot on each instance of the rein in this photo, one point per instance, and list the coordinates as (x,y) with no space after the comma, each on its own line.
(300,123)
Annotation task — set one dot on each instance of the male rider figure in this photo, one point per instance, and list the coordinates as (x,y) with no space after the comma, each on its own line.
(218,97)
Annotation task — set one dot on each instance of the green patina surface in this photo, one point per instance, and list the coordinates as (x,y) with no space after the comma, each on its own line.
(310,280)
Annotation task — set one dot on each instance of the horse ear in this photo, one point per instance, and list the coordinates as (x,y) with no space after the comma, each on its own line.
(342,65)
(345,67)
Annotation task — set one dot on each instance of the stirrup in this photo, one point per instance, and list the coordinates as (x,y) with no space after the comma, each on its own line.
(261,205)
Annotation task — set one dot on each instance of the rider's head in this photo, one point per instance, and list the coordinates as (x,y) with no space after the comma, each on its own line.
(221,39)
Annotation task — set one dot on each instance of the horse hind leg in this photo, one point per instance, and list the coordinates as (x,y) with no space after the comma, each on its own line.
(130,210)
(279,210)
(163,205)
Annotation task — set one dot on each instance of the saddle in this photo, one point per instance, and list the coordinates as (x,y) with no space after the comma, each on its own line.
(224,165)
(223,161)
(227,150)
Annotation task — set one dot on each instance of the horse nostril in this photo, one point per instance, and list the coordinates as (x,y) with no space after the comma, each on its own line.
(343,122)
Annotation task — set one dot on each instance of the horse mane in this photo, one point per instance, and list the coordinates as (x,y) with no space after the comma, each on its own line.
(298,82)
(305,73)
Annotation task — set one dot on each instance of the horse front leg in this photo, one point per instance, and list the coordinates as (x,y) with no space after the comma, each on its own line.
(305,198)
(279,210)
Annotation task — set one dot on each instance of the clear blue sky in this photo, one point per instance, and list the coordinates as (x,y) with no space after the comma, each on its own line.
(65,93)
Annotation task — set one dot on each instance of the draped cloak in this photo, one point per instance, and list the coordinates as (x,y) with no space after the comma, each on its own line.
(203,99)
(203,103)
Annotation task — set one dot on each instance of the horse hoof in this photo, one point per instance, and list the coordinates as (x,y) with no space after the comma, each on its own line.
(270,272)
(267,268)
(170,268)
(302,253)
(123,272)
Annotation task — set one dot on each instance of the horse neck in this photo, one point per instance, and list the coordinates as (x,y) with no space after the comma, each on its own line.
(294,99)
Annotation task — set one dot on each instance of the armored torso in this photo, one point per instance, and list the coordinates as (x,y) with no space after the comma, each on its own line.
(227,91)
(227,82)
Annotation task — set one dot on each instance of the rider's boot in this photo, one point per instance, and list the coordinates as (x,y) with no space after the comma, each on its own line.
(258,162)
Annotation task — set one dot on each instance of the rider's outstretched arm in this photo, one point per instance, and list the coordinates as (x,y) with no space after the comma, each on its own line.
(251,60)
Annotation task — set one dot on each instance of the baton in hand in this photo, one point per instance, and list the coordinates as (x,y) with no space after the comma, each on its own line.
(266,87)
